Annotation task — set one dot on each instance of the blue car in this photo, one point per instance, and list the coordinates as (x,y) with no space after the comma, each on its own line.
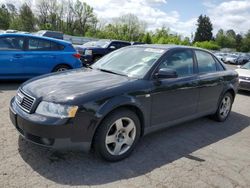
(24,56)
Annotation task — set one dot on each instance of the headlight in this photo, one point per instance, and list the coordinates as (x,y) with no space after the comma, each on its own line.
(88,52)
(56,110)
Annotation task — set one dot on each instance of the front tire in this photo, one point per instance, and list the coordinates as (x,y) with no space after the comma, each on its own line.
(224,108)
(117,135)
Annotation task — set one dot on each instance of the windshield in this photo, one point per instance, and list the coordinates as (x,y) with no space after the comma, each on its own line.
(246,66)
(99,43)
(132,62)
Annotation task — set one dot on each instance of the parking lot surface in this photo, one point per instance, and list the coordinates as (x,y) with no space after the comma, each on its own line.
(200,153)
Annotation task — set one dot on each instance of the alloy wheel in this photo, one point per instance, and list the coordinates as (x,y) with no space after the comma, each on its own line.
(225,107)
(120,136)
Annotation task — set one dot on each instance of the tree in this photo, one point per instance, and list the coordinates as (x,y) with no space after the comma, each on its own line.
(204,29)
(246,43)
(238,40)
(84,16)
(4,17)
(147,39)
(27,18)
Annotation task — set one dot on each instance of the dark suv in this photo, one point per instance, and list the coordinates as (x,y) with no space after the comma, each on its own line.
(94,50)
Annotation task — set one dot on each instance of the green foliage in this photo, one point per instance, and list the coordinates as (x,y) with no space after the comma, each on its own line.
(27,18)
(246,43)
(210,45)
(147,39)
(78,18)
(4,17)
(204,29)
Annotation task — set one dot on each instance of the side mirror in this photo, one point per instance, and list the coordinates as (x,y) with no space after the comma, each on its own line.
(164,73)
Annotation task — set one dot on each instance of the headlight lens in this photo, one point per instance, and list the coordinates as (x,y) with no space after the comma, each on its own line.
(56,110)
(88,52)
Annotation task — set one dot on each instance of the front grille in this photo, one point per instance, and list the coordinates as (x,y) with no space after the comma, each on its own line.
(25,101)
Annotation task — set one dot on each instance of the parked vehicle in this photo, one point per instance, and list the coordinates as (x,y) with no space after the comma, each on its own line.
(220,56)
(230,59)
(243,60)
(137,43)
(125,95)
(94,50)
(24,56)
(244,76)
(11,31)
(51,34)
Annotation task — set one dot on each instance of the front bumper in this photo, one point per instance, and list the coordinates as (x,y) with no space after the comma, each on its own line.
(50,132)
(244,84)
(87,59)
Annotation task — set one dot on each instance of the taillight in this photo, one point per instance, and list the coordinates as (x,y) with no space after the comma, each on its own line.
(78,56)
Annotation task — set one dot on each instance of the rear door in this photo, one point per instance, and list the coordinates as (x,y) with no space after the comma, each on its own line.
(210,81)
(40,57)
(11,56)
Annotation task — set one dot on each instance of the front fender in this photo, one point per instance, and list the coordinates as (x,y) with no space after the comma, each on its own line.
(116,102)
(101,111)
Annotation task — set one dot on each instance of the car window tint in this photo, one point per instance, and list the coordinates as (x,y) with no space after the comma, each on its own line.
(55,46)
(181,62)
(219,66)
(38,44)
(11,43)
(206,62)
(115,44)
(124,44)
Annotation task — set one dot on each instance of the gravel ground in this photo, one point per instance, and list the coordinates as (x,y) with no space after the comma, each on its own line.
(200,153)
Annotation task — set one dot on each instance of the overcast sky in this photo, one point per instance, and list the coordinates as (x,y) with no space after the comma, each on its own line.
(179,15)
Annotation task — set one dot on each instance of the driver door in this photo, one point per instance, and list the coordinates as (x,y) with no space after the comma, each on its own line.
(175,99)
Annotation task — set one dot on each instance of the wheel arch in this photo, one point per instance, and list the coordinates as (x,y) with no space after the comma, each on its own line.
(130,106)
(61,64)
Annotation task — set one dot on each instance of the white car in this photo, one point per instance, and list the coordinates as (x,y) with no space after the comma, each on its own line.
(244,77)
(231,59)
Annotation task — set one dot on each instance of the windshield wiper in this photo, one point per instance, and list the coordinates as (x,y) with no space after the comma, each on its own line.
(110,71)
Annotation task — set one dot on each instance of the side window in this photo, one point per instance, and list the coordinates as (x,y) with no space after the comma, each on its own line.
(115,44)
(11,43)
(206,62)
(181,62)
(124,45)
(39,45)
(219,66)
(56,47)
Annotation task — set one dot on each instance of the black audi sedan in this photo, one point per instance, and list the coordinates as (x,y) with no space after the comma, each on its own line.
(130,92)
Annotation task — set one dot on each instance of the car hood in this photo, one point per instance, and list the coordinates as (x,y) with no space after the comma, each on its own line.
(70,85)
(243,72)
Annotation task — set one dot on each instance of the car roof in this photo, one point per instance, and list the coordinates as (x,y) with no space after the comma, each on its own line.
(63,42)
(109,40)
(168,46)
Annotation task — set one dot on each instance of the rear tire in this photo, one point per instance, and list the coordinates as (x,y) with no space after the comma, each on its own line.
(224,108)
(61,68)
(117,135)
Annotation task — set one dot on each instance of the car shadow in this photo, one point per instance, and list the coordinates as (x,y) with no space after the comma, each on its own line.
(9,85)
(153,151)
(243,92)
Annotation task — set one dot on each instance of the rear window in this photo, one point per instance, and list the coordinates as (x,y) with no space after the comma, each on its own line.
(206,62)
(43,45)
